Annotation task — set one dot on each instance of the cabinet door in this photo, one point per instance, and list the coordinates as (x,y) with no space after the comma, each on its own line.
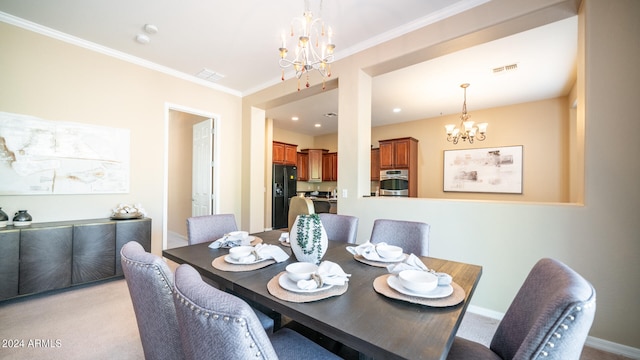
(132,230)
(45,259)
(330,167)
(315,165)
(278,153)
(386,155)
(94,248)
(401,149)
(9,263)
(303,166)
(334,167)
(375,164)
(290,154)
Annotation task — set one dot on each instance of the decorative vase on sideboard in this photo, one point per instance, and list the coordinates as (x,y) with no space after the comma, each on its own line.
(308,239)
(22,218)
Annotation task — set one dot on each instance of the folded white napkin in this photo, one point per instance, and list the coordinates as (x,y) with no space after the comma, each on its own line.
(229,241)
(366,250)
(329,273)
(413,262)
(284,237)
(265,252)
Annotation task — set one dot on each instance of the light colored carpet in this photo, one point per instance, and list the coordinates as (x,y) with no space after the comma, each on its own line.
(98,322)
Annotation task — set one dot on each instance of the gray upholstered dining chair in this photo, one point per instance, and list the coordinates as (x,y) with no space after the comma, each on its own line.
(411,236)
(321,206)
(549,318)
(343,228)
(209,228)
(217,325)
(150,283)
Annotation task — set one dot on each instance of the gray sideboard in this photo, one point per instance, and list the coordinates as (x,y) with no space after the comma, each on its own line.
(57,255)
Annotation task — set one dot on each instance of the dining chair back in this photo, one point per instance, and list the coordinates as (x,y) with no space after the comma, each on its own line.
(411,236)
(549,318)
(321,206)
(343,228)
(209,228)
(299,205)
(218,325)
(150,283)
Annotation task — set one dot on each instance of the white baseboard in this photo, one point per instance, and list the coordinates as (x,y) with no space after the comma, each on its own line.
(176,235)
(596,343)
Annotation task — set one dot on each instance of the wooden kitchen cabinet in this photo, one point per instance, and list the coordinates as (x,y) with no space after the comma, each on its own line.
(283,153)
(399,153)
(303,166)
(375,164)
(330,167)
(314,164)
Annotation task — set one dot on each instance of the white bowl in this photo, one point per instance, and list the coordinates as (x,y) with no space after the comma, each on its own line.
(238,235)
(301,270)
(238,252)
(418,281)
(389,251)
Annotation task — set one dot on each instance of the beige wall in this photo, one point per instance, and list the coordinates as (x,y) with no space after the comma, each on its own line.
(599,239)
(74,84)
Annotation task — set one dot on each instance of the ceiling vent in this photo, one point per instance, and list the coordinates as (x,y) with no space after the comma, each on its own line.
(505,68)
(209,75)
(331,115)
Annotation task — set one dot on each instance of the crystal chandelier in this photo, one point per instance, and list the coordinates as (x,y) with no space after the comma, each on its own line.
(313,47)
(467,130)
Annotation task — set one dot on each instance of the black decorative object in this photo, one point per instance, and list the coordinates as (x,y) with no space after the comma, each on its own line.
(22,218)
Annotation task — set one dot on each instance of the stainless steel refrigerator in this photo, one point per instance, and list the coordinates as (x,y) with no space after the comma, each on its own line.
(284,188)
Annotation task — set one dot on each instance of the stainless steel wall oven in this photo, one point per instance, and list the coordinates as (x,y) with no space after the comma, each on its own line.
(394,182)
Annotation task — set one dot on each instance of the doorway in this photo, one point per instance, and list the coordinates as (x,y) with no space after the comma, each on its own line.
(190,177)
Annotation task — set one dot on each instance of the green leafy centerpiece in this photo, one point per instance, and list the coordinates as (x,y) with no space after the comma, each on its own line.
(308,238)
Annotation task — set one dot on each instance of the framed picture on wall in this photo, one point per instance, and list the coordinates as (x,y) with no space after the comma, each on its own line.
(485,170)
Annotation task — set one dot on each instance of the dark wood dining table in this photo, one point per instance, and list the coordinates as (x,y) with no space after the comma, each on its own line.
(376,326)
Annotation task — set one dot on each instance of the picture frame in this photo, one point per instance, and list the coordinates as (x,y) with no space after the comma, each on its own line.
(484,170)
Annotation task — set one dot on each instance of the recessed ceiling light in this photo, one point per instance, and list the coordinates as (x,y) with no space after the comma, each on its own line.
(150,29)
(295,118)
(142,39)
(397,110)
(318,125)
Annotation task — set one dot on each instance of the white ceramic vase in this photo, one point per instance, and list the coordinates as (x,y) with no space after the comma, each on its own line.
(308,239)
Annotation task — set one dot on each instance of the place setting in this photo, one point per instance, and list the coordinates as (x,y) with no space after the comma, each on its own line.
(284,239)
(412,281)
(307,282)
(235,238)
(247,257)
(379,255)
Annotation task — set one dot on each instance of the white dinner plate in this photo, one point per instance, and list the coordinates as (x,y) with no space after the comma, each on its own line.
(291,285)
(438,292)
(385,260)
(230,260)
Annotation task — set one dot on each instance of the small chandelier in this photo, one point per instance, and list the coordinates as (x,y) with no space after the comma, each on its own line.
(313,48)
(467,130)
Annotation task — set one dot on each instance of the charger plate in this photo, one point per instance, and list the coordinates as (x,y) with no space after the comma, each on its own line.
(381,286)
(220,264)
(278,291)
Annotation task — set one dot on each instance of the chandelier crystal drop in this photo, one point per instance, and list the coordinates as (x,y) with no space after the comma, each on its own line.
(468,130)
(313,45)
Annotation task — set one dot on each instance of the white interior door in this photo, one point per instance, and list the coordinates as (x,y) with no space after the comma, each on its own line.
(201,188)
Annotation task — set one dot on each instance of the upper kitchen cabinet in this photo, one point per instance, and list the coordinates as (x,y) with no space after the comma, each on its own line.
(375,164)
(314,167)
(330,167)
(286,154)
(303,166)
(399,153)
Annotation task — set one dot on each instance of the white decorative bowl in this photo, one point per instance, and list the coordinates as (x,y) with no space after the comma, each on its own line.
(301,270)
(238,252)
(418,281)
(389,251)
